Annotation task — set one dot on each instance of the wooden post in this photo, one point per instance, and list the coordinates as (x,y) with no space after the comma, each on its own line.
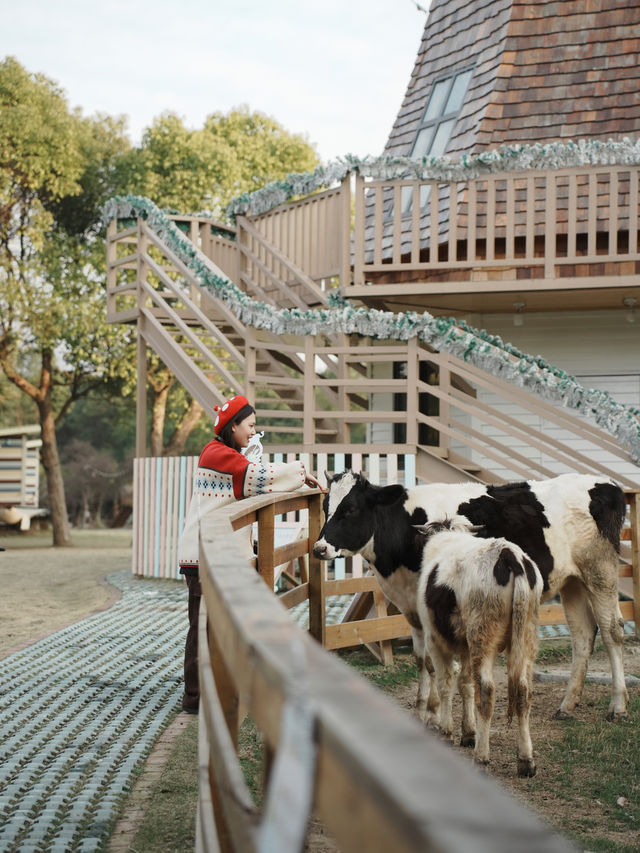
(141,385)
(308,421)
(317,574)
(444,415)
(344,434)
(358,236)
(413,395)
(266,526)
(345,220)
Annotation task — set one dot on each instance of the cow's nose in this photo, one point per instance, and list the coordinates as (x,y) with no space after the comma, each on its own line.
(319,550)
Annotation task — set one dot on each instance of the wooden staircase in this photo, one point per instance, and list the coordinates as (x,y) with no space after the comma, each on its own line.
(328,391)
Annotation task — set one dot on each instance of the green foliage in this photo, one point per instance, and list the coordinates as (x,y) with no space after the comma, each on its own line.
(192,170)
(39,139)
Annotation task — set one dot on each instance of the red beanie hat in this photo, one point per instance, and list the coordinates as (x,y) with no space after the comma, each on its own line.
(227,411)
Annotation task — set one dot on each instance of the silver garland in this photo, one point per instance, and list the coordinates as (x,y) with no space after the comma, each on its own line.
(480,348)
(507,158)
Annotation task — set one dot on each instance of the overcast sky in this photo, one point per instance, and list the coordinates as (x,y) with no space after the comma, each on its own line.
(333,70)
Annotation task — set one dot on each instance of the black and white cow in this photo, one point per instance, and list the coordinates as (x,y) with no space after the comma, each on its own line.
(568,525)
(476,598)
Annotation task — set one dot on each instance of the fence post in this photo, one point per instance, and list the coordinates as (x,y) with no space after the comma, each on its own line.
(358,234)
(317,574)
(413,394)
(266,526)
(141,388)
(308,420)
(345,260)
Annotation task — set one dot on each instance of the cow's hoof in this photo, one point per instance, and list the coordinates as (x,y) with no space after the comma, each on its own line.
(468,740)
(563,715)
(526,768)
(617,716)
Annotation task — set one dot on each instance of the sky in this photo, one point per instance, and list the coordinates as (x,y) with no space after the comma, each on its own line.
(334,71)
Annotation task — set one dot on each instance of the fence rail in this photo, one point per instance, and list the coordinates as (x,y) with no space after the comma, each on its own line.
(162,492)
(566,228)
(334,745)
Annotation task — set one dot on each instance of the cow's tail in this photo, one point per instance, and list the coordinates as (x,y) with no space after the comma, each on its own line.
(525,603)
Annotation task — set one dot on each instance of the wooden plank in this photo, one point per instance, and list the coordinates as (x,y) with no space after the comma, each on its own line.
(235,814)
(552,614)
(366,631)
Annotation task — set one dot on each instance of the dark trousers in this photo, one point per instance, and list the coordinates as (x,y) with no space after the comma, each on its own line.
(191,696)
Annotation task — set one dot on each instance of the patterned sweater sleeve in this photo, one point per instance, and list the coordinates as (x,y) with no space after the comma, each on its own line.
(224,475)
(261,478)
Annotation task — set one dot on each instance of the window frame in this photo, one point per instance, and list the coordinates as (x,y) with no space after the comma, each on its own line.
(435,123)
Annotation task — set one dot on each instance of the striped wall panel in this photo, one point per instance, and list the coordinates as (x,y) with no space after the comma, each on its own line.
(162,488)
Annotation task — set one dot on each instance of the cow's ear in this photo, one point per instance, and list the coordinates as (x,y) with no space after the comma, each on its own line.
(388,495)
(328,477)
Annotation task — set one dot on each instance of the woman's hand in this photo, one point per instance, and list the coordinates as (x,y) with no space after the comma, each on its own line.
(310,480)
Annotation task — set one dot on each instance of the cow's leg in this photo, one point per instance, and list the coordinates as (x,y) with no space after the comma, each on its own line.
(482,661)
(607,612)
(582,625)
(526,764)
(443,664)
(427,701)
(465,686)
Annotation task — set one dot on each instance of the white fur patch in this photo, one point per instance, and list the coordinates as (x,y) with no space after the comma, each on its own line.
(338,492)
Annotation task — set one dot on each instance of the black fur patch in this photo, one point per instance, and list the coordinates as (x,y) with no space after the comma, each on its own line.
(608,510)
(441,600)
(530,569)
(514,512)
(419,516)
(505,566)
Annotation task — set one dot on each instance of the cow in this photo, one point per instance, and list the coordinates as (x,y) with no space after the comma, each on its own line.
(568,525)
(477,597)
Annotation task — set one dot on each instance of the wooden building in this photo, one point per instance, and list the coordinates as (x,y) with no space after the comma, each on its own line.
(535,242)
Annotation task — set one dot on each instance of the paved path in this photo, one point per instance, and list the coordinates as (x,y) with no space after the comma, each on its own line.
(79,712)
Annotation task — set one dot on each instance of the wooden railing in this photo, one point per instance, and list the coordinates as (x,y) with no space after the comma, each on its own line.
(162,492)
(334,745)
(163,486)
(573,228)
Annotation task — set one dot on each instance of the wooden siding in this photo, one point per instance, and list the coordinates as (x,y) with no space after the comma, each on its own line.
(569,70)
(457,35)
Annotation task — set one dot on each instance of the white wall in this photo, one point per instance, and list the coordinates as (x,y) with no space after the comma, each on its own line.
(600,349)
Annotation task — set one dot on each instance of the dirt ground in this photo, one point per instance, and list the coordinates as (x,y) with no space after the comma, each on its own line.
(547,696)
(46,588)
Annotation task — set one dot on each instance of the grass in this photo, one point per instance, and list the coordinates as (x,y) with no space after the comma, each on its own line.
(593,769)
(169,824)
(589,790)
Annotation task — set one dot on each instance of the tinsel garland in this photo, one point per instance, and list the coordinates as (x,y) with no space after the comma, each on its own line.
(507,158)
(479,348)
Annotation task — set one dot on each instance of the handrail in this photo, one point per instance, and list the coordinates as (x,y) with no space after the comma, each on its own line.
(546,221)
(376,778)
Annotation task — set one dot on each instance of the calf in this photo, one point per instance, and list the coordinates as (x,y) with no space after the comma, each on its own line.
(568,525)
(477,597)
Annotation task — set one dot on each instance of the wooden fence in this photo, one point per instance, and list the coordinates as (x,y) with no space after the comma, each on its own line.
(334,745)
(162,492)
(162,489)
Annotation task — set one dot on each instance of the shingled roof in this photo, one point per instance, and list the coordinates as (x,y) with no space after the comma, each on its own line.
(543,71)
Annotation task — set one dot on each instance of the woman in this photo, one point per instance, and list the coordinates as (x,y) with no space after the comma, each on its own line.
(225,473)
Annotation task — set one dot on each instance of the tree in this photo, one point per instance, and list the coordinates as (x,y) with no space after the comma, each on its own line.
(55,167)
(194,170)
